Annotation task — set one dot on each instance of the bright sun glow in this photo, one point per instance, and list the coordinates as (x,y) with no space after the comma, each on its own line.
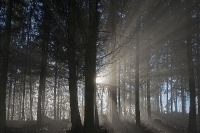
(99,80)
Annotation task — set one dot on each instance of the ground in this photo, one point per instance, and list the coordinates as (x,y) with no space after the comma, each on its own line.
(160,123)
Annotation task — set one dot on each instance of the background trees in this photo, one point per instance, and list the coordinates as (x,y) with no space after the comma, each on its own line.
(143,51)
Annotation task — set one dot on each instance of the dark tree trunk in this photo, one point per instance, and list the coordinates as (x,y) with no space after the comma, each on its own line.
(183,98)
(13,101)
(119,92)
(20,99)
(102,99)
(124,91)
(192,127)
(148,98)
(31,99)
(171,95)
(55,86)
(43,65)
(30,68)
(137,98)
(75,115)
(9,99)
(161,105)
(96,109)
(176,101)
(24,83)
(43,96)
(90,68)
(4,67)
(113,90)
(58,103)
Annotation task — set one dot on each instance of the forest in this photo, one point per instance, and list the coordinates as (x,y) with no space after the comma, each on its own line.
(99,66)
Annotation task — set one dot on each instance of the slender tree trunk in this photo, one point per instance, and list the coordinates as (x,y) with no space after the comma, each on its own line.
(9,99)
(148,98)
(45,39)
(75,115)
(31,99)
(20,99)
(119,91)
(157,102)
(55,86)
(124,91)
(24,82)
(176,101)
(29,55)
(137,98)
(192,127)
(43,97)
(4,67)
(171,95)
(114,95)
(183,98)
(130,87)
(58,103)
(96,110)
(102,99)
(90,68)
(13,101)
(161,105)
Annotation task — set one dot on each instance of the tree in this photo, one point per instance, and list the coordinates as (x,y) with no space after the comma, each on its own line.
(4,67)
(137,98)
(43,64)
(192,127)
(90,68)
(75,115)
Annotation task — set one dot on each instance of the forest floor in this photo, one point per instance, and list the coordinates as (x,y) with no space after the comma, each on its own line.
(161,123)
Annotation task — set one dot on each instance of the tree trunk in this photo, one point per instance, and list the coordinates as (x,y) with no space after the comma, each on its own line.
(119,92)
(137,98)
(31,99)
(161,105)
(114,95)
(192,127)
(90,68)
(171,95)
(124,91)
(58,103)
(24,85)
(75,115)
(96,109)
(13,101)
(55,86)
(9,99)
(183,98)
(43,66)
(176,101)
(4,67)
(148,98)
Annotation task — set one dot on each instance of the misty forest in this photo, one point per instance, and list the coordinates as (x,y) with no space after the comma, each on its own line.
(99,66)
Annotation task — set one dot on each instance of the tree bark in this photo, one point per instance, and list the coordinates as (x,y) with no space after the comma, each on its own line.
(90,68)
(124,91)
(75,115)
(119,91)
(148,98)
(9,99)
(13,101)
(192,127)
(55,86)
(4,67)
(43,66)
(137,97)
(58,103)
